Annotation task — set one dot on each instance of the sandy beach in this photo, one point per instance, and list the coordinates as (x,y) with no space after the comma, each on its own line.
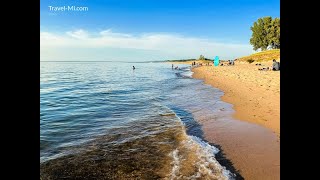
(251,141)
(255,95)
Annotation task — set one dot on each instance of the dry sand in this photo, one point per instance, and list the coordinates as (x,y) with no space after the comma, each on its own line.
(253,149)
(254,94)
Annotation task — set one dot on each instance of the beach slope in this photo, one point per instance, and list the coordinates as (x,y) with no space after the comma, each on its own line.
(255,94)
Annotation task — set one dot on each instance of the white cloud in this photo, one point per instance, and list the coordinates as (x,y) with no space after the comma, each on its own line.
(166,45)
(78,34)
(109,33)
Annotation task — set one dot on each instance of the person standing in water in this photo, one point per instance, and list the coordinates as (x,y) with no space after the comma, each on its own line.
(133,68)
(172,66)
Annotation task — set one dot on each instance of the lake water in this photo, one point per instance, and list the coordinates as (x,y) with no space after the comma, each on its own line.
(104,120)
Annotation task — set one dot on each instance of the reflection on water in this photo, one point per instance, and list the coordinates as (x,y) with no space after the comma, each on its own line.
(104,121)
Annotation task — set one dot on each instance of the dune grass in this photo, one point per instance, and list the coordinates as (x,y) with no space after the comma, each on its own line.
(268,55)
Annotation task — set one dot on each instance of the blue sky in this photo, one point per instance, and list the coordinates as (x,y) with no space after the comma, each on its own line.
(150,29)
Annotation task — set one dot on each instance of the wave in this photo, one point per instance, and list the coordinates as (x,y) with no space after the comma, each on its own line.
(194,158)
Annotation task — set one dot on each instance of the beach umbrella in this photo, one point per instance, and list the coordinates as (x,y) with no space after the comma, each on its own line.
(216,61)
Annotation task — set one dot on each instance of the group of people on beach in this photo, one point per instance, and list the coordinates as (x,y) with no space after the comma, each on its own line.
(229,63)
(196,64)
(200,64)
(275,66)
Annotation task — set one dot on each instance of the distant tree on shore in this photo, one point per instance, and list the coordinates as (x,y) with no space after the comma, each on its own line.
(265,33)
(201,57)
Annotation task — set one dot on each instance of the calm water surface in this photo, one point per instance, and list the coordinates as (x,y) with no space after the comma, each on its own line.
(104,120)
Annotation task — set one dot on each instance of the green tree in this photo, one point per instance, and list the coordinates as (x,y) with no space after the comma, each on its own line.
(265,33)
(274,34)
(201,57)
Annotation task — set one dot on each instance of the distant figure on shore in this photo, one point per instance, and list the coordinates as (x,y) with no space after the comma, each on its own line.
(275,65)
(264,69)
(230,62)
(172,66)
(133,68)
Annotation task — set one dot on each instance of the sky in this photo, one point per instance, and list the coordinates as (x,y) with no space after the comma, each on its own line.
(149,30)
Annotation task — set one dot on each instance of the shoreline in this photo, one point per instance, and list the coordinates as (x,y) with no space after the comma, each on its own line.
(250,145)
(254,94)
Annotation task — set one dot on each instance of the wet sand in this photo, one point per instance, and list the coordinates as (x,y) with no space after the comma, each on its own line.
(252,145)
(254,151)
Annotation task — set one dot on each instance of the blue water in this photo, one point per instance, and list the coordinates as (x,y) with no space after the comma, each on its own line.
(104,120)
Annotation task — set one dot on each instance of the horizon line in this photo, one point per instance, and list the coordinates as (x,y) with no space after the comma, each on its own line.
(109,61)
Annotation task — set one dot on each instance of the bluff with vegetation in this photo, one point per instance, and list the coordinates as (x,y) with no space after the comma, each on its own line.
(268,55)
(265,34)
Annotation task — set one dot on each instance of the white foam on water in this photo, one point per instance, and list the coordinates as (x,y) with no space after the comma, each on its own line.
(187,72)
(202,162)
(175,163)
(207,153)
